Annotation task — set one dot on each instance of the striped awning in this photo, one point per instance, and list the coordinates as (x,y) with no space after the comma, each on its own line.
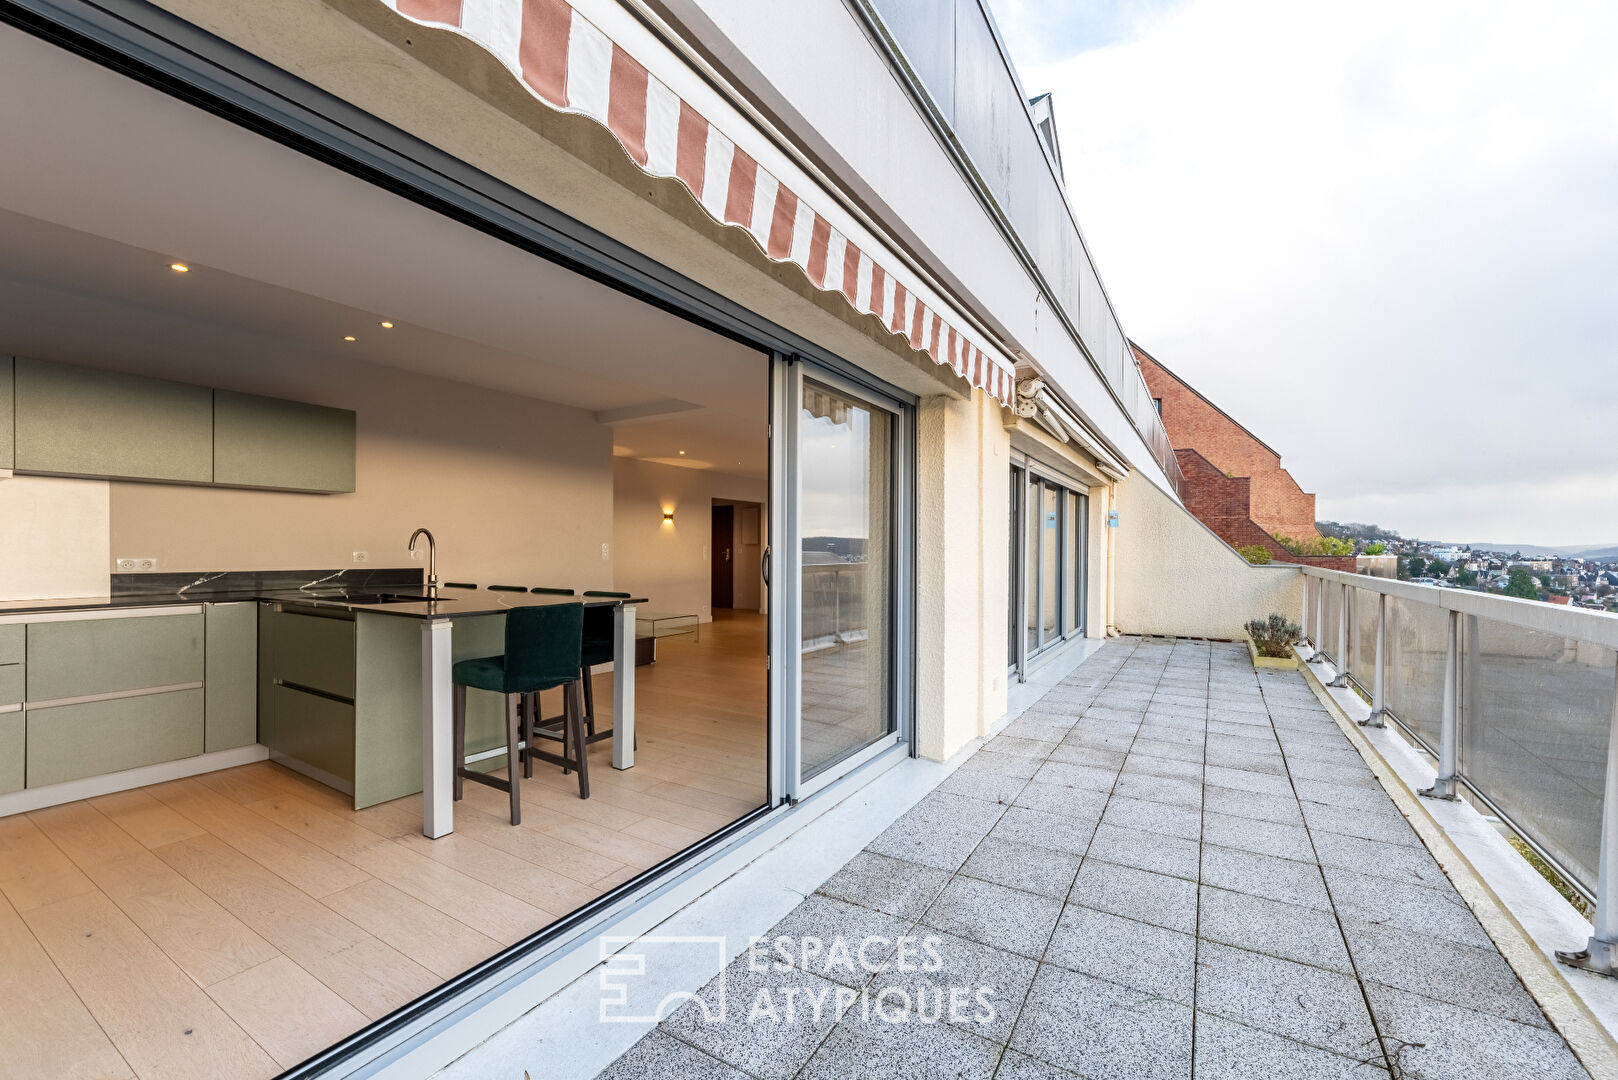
(571,64)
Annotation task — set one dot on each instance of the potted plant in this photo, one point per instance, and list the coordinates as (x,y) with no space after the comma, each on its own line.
(1270,641)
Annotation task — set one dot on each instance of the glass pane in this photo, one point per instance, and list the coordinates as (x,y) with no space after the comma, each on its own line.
(1416,643)
(1070,563)
(1031,590)
(927,37)
(1050,550)
(1333,604)
(1362,627)
(1537,711)
(845,457)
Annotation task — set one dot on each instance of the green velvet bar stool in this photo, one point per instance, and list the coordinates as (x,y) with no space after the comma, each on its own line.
(548,590)
(542,651)
(597,650)
(508,588)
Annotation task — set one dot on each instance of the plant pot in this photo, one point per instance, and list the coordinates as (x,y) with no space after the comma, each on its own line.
(1285,663)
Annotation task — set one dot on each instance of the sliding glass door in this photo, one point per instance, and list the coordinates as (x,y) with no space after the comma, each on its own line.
(1049,527)
(845,493)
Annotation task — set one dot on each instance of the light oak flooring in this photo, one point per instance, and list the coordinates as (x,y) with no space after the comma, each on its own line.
(232,924)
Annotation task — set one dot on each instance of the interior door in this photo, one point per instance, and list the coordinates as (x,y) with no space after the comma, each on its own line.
(846,640)
(723,549)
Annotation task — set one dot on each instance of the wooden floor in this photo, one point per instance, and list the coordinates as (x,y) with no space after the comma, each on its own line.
(232,924)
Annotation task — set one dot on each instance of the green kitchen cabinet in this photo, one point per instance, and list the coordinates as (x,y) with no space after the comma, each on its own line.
(105,656)
(7,436)
(12,740)
(92,738)
(74,421)
(11,684)
(264,442)
(13,637)
(230,680)
(310,651)
(315,730)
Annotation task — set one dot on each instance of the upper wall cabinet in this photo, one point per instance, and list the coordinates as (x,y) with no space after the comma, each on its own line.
(270,443)
(61,420)
(6,438)
(74,421)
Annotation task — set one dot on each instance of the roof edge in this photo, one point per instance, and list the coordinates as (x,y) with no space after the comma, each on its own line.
(1207,401)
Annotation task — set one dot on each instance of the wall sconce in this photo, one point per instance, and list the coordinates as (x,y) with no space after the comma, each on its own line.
(668,517)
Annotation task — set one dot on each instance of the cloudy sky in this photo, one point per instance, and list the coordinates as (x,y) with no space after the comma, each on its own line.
(1383,236)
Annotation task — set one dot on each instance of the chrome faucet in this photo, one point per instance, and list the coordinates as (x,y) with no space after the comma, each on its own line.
(432,559)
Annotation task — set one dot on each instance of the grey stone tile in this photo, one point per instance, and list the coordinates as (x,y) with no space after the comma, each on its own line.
(1174,790)
(1000,765)
(1081,803)
(1015,1066)
(1263,837)
(861,1048)
(1345,795)
(1102,1030)
(1099,717)
(1431,1040)
(1383,823)
(1039,726)
(1307,1004)
(1243,780)
(931,837)
(1246,760)
(1106,740)
(1264,875)
(955,963)
(659,1056)
(1179,716)
(1155,817)
(1163,901)
(1252,804)
(1438,913)
(770,1050)
(1037,828)
(821,921)
(1079,776)
(1313,769)
(1093,756)
(1178,751)
(994,915)
(886,884)
(1302,934)
(1290,737)
(1041,870)
(1400,862)
(1344,755)
(1143,764)
(987,786)
(1156,852)
(1255,732)
(1478,979)
(1135,954)
(1021,747)
(1230,1051)
(1161,732)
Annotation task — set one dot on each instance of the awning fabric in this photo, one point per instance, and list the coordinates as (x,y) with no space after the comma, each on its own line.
(570,64)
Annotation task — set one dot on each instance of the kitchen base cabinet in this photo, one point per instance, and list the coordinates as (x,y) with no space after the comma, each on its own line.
(311,731)
(12,740)
(80,658)
(230,679)
(11,684)
(70,742)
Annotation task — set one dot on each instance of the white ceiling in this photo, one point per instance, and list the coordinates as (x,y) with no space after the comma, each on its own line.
(112,182)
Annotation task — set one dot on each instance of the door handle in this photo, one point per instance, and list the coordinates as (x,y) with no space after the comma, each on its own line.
(764,564)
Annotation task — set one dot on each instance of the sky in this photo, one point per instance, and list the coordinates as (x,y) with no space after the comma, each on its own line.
(1383,236)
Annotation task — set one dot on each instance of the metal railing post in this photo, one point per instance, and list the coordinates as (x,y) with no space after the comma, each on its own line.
(1379,681)
(1341,678)
(1449,728)
(1318,638)
(1600,953)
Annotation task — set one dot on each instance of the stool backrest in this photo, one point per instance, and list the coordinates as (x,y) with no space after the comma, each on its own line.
(543,645)
(598,592)
(549,590)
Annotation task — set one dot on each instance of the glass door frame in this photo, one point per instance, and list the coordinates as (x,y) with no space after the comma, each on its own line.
(1028,567)
(786,570)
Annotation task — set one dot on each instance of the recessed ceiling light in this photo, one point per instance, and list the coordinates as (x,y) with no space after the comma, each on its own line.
(386,325)
(682,453)
(179,268)
(348,337)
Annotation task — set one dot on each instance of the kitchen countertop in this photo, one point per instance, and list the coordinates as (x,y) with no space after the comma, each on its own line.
(452,603)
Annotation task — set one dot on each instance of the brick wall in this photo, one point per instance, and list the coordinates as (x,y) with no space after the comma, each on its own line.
(1223,504)
(1275,502)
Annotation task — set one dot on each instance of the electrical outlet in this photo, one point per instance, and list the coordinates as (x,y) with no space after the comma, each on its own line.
(133,566)
(604,555)
(361,556)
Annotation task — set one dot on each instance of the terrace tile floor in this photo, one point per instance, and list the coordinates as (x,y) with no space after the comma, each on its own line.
(1173,866)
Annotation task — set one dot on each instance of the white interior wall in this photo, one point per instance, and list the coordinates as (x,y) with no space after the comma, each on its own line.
(54,537)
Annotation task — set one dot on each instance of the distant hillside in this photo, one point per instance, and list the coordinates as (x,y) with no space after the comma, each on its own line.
(1604,551)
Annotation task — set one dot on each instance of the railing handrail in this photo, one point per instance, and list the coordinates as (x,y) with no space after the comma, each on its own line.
(1595,627)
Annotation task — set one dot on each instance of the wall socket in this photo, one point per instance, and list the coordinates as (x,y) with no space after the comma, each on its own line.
(361,556)
(604,555)
(132,566)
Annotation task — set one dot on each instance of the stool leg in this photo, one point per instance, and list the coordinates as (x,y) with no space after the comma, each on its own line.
(512,772)
(459,759)
(581,746)
(530,721)
(589,702)
(567,732)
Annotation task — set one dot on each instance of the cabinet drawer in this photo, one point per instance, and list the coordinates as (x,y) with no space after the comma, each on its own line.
(11,751)
(81,422)
(11,683)
(12,636)
(310,651)
(316,730)
(69,742)
(104,656)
